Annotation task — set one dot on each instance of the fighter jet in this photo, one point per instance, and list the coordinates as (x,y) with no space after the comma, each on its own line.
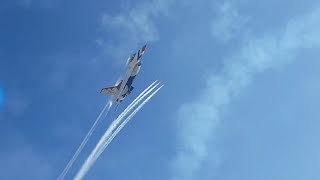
(124,88)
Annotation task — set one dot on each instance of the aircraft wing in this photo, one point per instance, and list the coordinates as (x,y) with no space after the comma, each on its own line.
(109,90)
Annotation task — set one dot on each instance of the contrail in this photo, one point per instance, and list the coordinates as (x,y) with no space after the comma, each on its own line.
(75,156)
(114,134)
(143,94)
(116,122)
(105,110)
(88,163)
(92,157)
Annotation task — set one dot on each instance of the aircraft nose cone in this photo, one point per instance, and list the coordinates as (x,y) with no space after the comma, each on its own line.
(144,47)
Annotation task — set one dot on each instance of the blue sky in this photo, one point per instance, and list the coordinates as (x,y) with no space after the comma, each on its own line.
(241,99)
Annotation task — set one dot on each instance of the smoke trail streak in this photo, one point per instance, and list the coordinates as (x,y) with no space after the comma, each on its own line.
(92,157)
(75,156)
(105,110)
(114,134)
(143,94)
(116,122)
(88,163)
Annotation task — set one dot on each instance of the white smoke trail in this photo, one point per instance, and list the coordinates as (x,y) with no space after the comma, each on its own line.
(116,122)
(143,94)
(105,110)
(114,134)
(144,91)
(92,157)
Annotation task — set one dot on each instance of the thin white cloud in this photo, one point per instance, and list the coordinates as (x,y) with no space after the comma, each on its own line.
(135,26)
(137,23)
(227,22)
(198,119)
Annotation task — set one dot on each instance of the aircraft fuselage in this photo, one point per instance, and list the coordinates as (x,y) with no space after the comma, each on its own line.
(134,69)
(134,65)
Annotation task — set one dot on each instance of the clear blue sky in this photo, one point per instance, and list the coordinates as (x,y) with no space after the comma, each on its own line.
(241,100)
